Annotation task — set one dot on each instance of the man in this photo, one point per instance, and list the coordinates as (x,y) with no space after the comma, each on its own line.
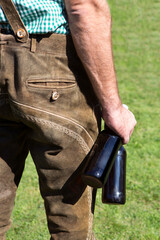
(49,100)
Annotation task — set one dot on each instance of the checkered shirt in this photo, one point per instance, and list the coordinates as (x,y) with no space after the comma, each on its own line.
(40,16)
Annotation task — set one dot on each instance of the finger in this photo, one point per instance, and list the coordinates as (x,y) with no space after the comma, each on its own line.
(125,140)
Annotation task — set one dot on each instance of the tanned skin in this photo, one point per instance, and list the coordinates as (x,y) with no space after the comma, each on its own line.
(90,25)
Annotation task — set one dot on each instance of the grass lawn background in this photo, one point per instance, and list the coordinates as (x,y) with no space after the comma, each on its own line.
(136,42)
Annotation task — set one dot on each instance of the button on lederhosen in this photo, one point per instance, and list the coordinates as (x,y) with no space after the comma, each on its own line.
(21,33)
(55,95)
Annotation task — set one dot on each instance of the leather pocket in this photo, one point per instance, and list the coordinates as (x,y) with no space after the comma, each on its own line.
(51,83)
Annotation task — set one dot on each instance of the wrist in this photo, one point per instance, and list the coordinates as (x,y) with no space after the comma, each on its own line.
(112,105)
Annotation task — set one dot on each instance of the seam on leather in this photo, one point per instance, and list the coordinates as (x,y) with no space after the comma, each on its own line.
(58,127)
(56,115)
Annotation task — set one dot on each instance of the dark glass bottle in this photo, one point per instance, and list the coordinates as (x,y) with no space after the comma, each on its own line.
(101,159)
(114,191)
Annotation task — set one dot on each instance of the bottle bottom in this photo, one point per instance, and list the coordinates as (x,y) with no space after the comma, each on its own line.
(114,199)
(92,181)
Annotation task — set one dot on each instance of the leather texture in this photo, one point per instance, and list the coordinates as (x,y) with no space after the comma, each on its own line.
(58,132)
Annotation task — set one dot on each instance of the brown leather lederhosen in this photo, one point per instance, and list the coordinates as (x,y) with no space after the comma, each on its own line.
(47,108)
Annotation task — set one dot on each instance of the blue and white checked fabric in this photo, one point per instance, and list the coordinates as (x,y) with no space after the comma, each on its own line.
(40,16)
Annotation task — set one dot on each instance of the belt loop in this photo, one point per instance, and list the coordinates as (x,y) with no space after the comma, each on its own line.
(14,20)
(33,44)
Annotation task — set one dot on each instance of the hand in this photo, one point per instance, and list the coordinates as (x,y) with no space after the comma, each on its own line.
(121,121)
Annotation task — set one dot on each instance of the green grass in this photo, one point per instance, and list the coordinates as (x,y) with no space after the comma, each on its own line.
(136,36)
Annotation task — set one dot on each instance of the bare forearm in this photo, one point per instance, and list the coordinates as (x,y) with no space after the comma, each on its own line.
(90,25)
